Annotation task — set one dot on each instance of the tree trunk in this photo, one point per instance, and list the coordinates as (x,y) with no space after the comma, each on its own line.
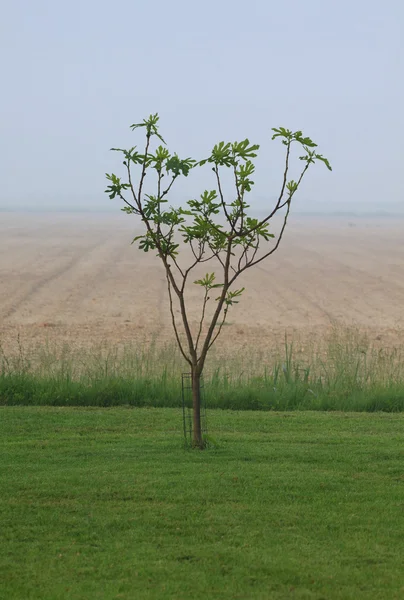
(197,440)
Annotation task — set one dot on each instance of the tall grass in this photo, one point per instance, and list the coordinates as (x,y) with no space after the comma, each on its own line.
(347,373)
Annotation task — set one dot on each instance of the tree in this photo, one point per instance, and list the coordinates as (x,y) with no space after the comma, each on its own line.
(235,246)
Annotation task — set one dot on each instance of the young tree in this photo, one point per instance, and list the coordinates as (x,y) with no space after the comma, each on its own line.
(235,246)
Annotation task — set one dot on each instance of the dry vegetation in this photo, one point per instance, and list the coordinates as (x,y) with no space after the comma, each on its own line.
(75,278)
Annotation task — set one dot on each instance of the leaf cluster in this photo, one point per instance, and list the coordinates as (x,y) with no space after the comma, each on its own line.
(288,137)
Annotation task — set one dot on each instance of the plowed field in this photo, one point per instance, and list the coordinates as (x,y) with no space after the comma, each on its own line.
(76,278)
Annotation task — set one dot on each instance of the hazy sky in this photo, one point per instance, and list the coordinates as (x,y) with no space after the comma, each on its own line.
(76,74)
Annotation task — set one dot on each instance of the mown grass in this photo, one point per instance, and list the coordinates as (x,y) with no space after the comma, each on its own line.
(106,503)
(348,374)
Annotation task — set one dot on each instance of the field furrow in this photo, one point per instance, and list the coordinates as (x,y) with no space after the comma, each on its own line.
(76,277)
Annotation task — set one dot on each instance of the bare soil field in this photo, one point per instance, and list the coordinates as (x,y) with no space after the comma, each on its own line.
(75,277)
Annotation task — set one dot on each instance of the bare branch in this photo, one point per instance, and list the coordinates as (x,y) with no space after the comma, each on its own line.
(193,249)
(243,255)
(198,260)
(255,262)
(203,260)
(143,175)
(174,323)
(187,272)
(280,205)
(285,177)
(216,253)
(236,183)
(240,198)
(201,248)
(180,295)
(169,187)
(213,225)
(219,186)
(256,249)
(205,300)
(277,206)
(129,204)
(131,185)
(178,266)
(218,310)
(220,328)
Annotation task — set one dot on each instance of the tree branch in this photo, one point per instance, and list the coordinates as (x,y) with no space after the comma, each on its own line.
(136,211)
(216,253)
(143,175)
(277,206)
(219,185)
(240,199)
(180,295)
(205,300)
(169,187)
(217,312)
(131,185)
(243,255)
(174,323)
(256,248)
(178,266)
(255,262)
(220,328)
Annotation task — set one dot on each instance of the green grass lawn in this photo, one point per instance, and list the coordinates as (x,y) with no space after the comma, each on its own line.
(106,503)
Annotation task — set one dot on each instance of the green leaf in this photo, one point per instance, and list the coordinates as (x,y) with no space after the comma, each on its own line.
(282,132)
(324,160)
(207,282)
(130,211)
(291,186)
(151,126)
(221,155)
(305,141)
(138,237)
(177,166)
(244,150)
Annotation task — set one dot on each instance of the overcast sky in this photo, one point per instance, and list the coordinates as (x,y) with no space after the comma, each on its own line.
(76,74)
